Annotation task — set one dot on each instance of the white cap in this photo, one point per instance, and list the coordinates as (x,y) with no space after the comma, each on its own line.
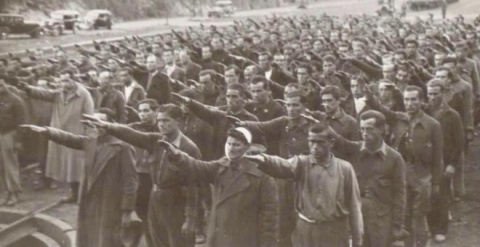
(246,133)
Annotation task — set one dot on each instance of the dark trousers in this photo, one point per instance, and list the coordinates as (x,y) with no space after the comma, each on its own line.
(143,195)
(204,207)
(438,216)
(166,215)
(321,234)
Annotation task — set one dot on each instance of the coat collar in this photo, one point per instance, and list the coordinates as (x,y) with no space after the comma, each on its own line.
(240,182)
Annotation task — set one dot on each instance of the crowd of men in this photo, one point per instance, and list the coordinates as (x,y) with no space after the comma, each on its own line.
(285,131)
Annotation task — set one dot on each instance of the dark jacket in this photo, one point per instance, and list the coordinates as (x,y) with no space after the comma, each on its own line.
(192,70)
(221,56)
(244,207)
(159,89)
(113,100)
(108,188)
(220,124)
(12,112)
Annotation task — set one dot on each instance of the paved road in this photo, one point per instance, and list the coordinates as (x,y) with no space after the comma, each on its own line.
(152,26)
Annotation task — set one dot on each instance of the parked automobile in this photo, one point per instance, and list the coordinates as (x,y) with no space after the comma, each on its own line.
(221,9)
(16,24)
(62,20)
(99,18)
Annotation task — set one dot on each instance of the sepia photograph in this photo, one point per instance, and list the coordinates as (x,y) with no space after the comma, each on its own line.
(239,123)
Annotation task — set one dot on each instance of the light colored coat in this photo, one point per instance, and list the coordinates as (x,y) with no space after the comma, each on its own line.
(65,164)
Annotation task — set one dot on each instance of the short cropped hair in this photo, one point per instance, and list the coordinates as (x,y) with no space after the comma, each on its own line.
(172,110)
(332,90)
(150,102)
(380,119)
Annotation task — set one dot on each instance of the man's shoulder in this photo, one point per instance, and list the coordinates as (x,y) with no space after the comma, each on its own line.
(188,146)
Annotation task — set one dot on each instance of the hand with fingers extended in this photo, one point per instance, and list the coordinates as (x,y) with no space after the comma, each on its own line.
(169,147)
(181,99)
(94,121)
(35,128)
(236,121)
(309,118)
(258,158)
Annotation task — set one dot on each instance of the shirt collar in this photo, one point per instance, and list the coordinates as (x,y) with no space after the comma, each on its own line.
(419,118)
(327,165)
(382,150)
(176,141)
(300,123)
(338,114)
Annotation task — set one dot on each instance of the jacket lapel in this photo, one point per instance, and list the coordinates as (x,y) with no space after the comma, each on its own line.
(238,184)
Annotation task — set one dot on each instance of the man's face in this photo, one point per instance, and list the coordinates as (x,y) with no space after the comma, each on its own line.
(330,104)
(112,65)
(294,107)
(234,100)
(156,49)
(230,76)
(438,59)
(166,124)
(288,53)
(398,58)
(434,95)
(146,114)
(259,93)
(234,148)
(461,51)
(443,76)
(240,42)
(140,59)
(411,49)
(357,89)
(412,101)
(385,91)
(306,46)
(263,62)
(216,44)
(184,58)
(371,133)
(206,85)
(302,75)
(61,56)
(125,77)
(151,63)
(280,60)
(319,146)
(256,40)
(402,76)
(358,52)
(67,83)
(389,73)
(248,74)
(168,57)
(104,80)
(317,46)
(206,53)
(328,67)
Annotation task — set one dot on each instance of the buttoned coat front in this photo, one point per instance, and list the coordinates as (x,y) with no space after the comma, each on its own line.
(245,212)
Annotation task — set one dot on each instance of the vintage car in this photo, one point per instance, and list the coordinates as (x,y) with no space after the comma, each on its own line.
(61,20)
(426,4)
(99,18)
(16,24)
(221,9)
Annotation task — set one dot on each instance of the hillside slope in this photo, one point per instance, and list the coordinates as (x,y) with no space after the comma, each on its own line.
(125,9)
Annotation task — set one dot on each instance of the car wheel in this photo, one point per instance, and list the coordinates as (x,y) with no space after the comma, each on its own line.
(95,27)
(4,31)
(74,29)
(109,27)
